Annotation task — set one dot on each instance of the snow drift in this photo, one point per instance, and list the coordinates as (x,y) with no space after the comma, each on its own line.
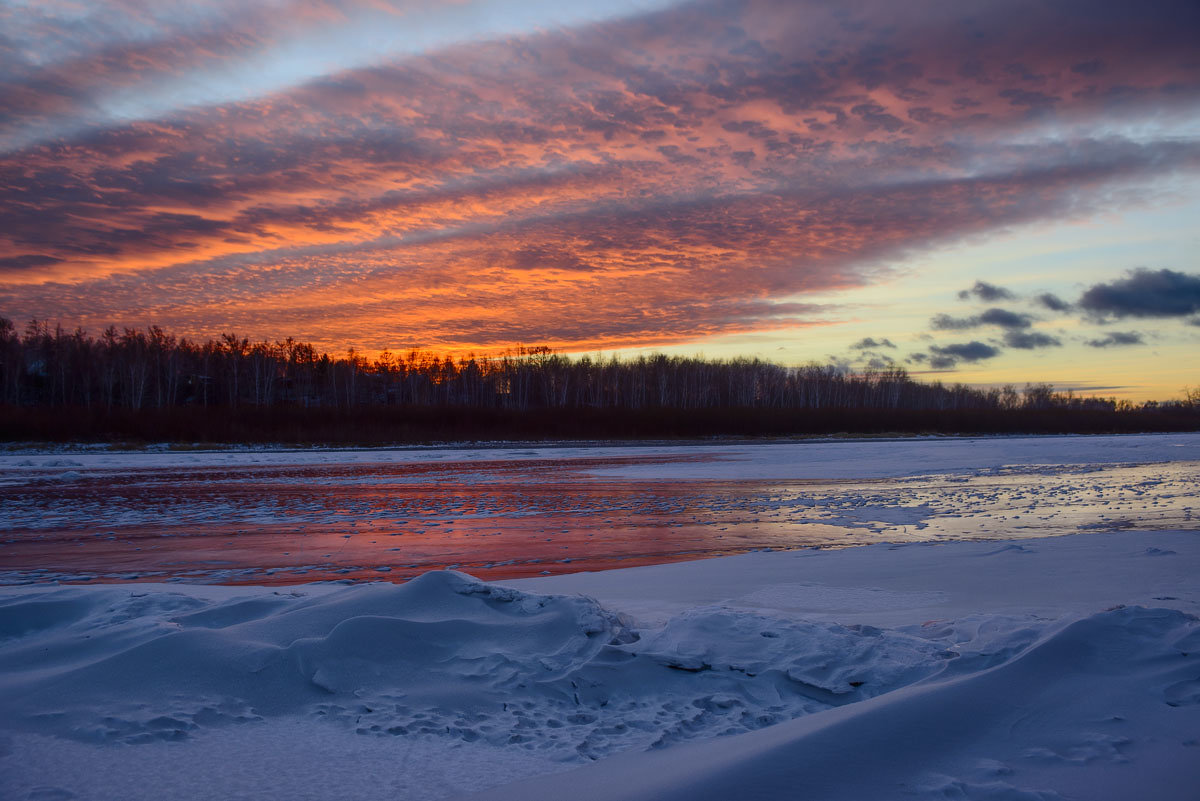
(447,685)
(443,655)
(1094,709)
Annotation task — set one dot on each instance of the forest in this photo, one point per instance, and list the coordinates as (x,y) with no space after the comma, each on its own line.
(148,385)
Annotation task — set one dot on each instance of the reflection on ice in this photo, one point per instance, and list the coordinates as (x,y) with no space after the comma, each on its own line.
(233,519)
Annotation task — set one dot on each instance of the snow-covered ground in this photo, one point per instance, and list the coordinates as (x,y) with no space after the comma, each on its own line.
(1065,667)
(804,459)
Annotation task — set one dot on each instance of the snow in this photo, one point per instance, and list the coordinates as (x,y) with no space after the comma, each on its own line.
(804,459)
(956,670)
(1039,668)
(896,585)
(1091,709)
(860,459)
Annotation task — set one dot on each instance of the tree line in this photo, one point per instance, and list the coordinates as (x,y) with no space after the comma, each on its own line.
(132,371)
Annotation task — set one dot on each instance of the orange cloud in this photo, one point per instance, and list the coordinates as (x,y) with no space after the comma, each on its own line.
(664,178)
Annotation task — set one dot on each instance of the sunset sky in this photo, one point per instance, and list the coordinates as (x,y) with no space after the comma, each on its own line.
(977,191)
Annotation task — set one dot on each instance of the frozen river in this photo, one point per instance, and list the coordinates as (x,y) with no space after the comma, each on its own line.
(286,517)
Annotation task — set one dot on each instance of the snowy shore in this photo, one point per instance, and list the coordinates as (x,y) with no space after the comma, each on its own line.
(1058,668)
(800,459)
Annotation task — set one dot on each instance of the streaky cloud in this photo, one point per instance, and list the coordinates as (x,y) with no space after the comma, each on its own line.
(692,171)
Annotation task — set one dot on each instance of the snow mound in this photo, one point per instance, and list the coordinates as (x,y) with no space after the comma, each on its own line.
(447,685)
(829,661)
(109,664)
(441,656)
(1090,710)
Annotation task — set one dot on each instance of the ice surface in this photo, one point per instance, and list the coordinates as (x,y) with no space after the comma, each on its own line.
(286,517)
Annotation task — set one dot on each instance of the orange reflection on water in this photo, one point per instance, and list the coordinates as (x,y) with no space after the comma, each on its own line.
(513,518)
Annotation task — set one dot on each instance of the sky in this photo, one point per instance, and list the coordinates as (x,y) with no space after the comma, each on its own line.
(987,192)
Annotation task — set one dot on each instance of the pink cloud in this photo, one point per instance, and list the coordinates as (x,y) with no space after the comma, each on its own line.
(661,178)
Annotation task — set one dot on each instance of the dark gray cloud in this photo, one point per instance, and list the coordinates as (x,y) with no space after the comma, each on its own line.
(996,316)
(1052,302)
(1005,318)
(972,351)
(989,293)
(1116,338)
(944,322)
(1145,293)
(943,362)
(867,343)
(28,261)
(1030,340)
(880,362)
(945,356)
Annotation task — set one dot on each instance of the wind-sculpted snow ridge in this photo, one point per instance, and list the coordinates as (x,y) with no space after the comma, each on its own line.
(1067,717)
(441,656)
(713,702)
